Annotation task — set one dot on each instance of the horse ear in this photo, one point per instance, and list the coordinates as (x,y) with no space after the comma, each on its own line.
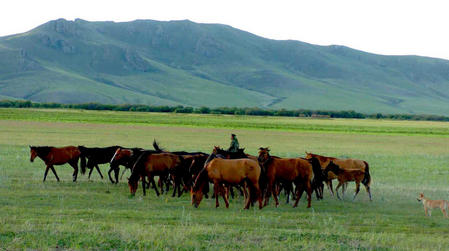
(30,146)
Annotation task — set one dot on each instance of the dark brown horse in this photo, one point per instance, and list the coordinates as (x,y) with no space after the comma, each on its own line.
(297,170)
(58,156)
(222,172)
(347,175)
(96,156)
(153,164)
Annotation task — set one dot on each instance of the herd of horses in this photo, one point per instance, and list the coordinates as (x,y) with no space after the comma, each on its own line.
(255,177)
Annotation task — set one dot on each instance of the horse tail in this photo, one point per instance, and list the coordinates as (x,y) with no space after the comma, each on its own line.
(82,159)
(83,164)
(317,172)
(367,178)
(156,146)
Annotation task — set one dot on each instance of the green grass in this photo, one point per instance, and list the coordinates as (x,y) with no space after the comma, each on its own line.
(98,215)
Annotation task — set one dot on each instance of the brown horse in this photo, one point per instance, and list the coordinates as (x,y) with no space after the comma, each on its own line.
(342,163)
(346,175)
(58,156)
(297,170)
(153,164)
(227,171)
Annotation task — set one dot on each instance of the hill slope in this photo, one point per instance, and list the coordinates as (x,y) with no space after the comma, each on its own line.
(185,63)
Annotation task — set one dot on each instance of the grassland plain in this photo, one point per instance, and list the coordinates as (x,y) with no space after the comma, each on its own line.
(405,158)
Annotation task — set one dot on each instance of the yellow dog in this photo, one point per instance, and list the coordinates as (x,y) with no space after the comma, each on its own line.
(431,204)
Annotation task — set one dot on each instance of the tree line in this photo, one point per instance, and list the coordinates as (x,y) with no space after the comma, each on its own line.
(222,110)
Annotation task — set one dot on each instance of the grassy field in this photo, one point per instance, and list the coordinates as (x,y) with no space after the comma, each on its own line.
(405,158)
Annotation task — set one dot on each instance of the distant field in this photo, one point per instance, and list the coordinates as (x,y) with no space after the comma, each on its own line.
(230,121)
(405,158)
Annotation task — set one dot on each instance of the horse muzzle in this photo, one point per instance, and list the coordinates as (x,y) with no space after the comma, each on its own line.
(31,160)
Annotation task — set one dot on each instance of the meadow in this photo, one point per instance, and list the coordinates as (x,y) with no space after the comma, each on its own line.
(405,158)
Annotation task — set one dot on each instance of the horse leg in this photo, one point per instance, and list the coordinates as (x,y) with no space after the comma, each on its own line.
(98,170)
(275,197)
(288,190)
(245,193)
(231,191)
(268,192)
(109,174)
(46,172)
(329,186)
(357,189)
(226,196)
(90,171)
(143,185)
(321,189)
(368,189)
(151,179)
(54,172)
(309,194)
(336,190)
(175,183)
(300,190)
(116,173)
(161,185)
(216,188)
(75,171)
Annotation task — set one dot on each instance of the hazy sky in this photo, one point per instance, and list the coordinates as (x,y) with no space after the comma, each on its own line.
(395,27)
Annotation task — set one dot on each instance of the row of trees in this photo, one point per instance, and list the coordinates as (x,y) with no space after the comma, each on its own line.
(222,110)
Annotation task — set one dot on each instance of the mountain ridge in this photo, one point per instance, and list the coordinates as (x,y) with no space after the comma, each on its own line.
(187,63)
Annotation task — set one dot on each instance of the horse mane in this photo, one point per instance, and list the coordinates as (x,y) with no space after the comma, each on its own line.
(316,168)
(42,151)
(201,178)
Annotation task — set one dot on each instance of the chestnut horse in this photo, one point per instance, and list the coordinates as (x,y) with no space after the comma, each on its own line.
(227,171)
(346,175)
(342,163)
(297,170)
(58,156)
(153,164)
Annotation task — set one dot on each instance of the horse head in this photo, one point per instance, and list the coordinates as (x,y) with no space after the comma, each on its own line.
(264,154)
(132,184)
(33,153)
(196,192)
(331,167)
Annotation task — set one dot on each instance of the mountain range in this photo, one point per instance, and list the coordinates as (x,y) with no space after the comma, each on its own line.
(194,64)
